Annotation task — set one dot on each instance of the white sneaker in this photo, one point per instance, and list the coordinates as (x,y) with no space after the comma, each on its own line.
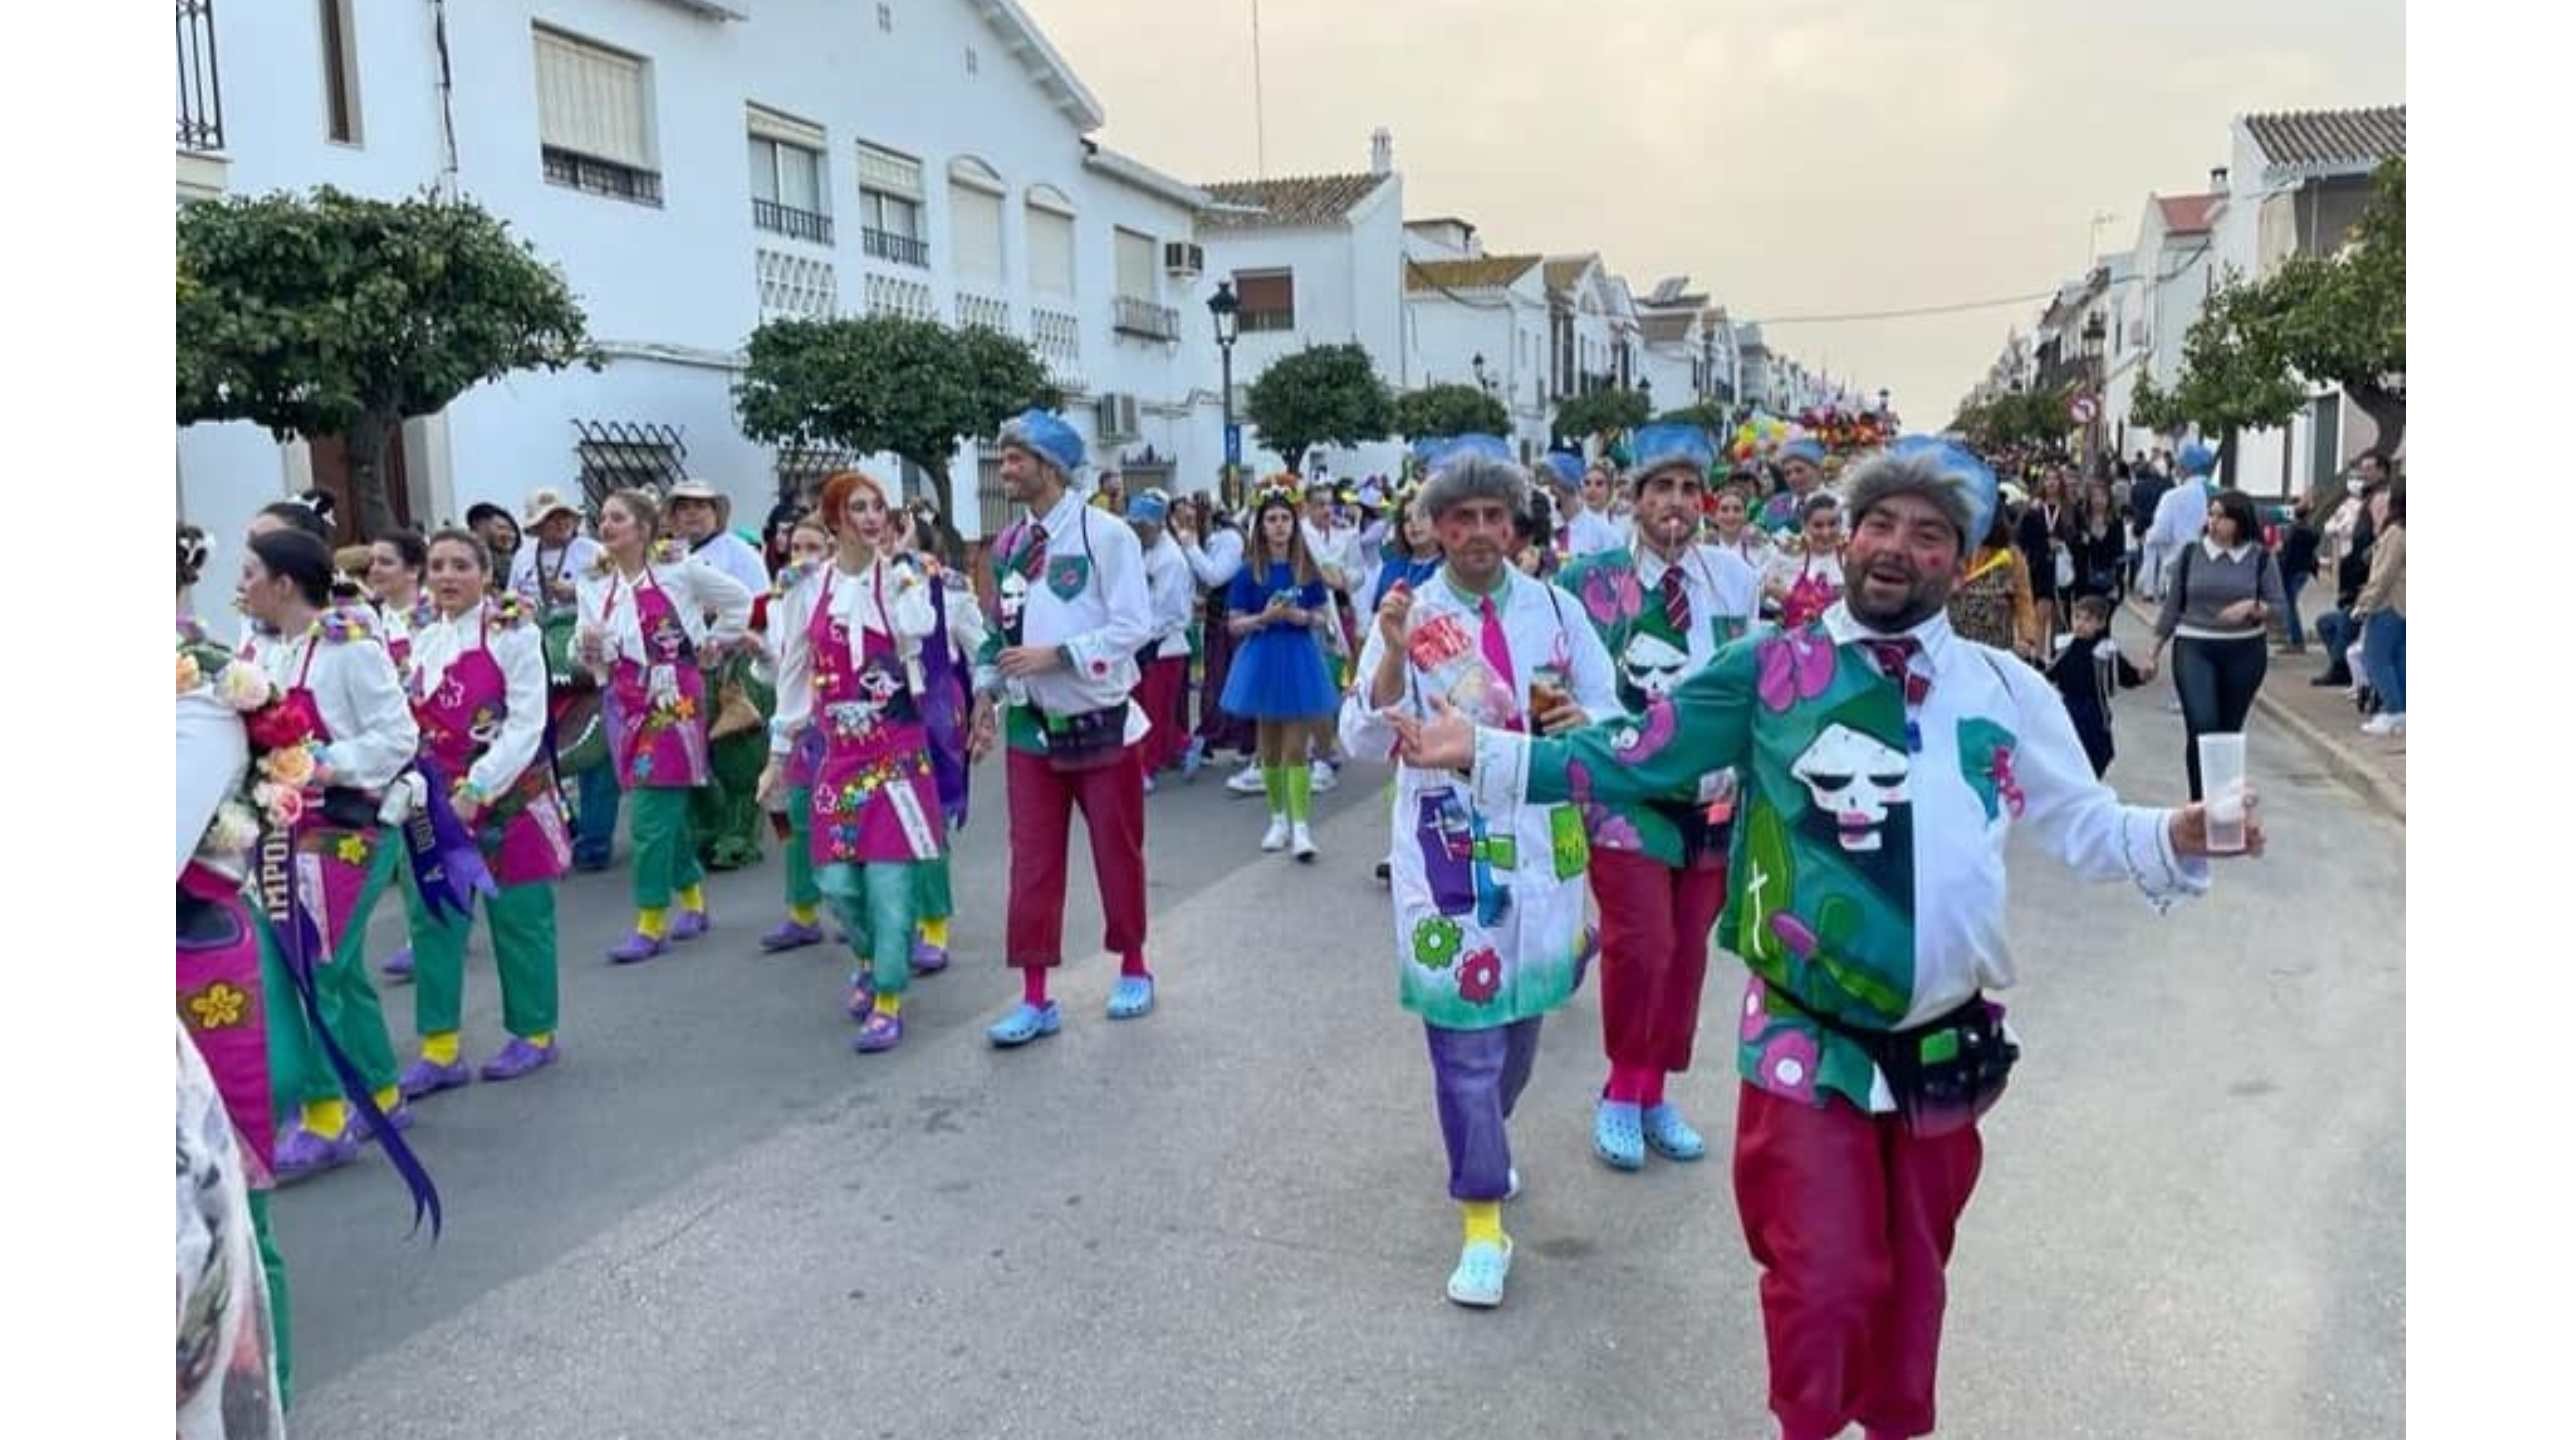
(2378,725)
(1247,781)
(1278,834)
(1302,841)
(1320,777)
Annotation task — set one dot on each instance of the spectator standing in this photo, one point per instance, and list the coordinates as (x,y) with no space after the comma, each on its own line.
(2098,549)
(2299,561)
(2339,628)
(2215,600)
(2384,608)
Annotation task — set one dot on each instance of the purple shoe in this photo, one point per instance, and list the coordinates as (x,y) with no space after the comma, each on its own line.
(302,1154)
(879,1032)
(928,959)
(520,1057)
(790,935)
(424,1077)
(690,925)
(402,965)
(635,947)
(858,997)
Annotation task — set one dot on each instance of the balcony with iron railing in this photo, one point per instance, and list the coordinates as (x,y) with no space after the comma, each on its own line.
(1131,315)
(898,249)
(799,224)
(199,79)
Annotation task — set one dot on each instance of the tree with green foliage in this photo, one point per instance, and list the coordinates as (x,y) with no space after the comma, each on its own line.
(2343,319)
(1450,410)
(2235,374)
(2029,419)
(341,315)
(912,388)
(1606,413)
(1322,395)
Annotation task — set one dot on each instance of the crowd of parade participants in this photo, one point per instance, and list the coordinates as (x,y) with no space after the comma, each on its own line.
(1781,699)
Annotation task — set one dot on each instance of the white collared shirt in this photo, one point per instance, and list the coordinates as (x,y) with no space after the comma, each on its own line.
(518,650)
(1169,596)
(607,602)
(1102,626)
(372,735)
(855,600)
(580,555)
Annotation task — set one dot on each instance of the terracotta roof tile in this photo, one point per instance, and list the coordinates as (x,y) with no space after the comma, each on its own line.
(1665,325)
(1476,272)
(1562,273)
(1290,200)
(2186,214)
(2320,138)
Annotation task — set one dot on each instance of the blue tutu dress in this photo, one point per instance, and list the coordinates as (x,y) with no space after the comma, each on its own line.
(1278,673)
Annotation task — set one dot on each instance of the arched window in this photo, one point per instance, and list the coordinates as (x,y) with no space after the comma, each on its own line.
(977,221)
(1049,221)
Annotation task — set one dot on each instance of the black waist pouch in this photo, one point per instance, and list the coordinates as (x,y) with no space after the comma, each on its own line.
(1946,1074)
(349,809)
(1084,742)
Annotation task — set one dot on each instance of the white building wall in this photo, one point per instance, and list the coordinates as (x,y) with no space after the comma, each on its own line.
(671,291)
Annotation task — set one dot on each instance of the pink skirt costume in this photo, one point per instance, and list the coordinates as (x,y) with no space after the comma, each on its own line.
(661,738)
(522,832)
(222,1002)
(873,797)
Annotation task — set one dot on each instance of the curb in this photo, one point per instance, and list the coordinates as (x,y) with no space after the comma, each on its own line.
(2358,772)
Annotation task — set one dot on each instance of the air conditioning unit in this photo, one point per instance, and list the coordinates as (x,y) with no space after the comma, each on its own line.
(1181,259)
(1116,416)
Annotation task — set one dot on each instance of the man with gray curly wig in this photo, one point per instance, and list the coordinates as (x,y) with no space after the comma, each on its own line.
(1885,763)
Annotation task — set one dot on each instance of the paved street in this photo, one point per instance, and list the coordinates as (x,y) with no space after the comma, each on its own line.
(1228,1219)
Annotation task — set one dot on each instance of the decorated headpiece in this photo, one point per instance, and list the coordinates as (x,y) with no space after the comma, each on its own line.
(1150,508)
(1052,440)
(1804,448)
(1663,446)
(1446,450)
(1283,488)
(2195,458)
(1564,469)
(1961,481)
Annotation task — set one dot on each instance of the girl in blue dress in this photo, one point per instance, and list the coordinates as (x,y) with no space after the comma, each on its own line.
(1279,679)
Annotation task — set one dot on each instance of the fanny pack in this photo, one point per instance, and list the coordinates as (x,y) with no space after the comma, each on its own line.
(1147,653)
(1945,1075)
(1083,742)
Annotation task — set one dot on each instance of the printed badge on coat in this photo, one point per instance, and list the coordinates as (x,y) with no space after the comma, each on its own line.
(1069,574)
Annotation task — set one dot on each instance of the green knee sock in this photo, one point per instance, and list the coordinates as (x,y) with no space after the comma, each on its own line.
(1275,787)
(1301,793)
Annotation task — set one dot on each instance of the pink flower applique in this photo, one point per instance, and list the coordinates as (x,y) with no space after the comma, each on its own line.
(1607,828)
(1787,1064)
(1479,976)
(1755,1011)
(2004,777)
(1611,595)
(1646,741)
(1795,666)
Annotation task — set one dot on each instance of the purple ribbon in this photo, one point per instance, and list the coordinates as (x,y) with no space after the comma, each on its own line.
(945,707)
(444,855)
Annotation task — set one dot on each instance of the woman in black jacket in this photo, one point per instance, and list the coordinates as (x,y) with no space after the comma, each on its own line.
(2098,547)
(2047,526)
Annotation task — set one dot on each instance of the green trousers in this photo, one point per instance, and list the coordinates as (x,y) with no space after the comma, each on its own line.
(297,1067)
(279,1298)
(799,877)
(876,905)
(524,937)
(933,887)
(662,858)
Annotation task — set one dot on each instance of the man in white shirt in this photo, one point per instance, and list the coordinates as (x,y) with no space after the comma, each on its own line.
(1580,530)
(1886,763)
(727,821)
(1214,559)
(1334,543)
(2180,518)
(1164,663)
(1059,668)
(554,554)
(700,517)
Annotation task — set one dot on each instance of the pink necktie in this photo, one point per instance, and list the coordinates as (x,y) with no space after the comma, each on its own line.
(1497,653)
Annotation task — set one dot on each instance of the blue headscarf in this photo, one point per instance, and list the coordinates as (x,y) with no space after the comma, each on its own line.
(1046,436)
(1973,484)
(1659,447)
(2195,458)
(1564,467)
(1444,451)
(1804,448)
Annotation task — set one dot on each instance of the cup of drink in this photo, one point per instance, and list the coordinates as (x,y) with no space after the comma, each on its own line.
(2223,764)
(1544,696)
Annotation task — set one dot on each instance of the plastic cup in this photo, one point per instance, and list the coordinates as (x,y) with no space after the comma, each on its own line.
(2223,761)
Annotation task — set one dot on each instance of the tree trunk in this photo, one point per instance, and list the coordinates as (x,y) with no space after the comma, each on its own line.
(1289,458)
(2390,412)
(2228,461)
(365,441)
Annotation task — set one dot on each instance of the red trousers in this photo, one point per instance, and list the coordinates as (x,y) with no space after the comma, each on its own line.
(1654,925)
(1852,1221)
(1038,798)
(1164,692)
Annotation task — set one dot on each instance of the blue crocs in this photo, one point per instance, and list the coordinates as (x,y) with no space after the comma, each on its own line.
(1023,1024)
(1670,1136)
(1618,1135)
(1482,1267)
(1134,996)
(1511,1190)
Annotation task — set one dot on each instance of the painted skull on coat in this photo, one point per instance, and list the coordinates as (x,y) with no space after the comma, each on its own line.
(1652,666)
(1853,778)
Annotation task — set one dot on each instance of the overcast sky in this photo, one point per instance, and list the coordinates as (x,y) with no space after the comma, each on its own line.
(1796,157)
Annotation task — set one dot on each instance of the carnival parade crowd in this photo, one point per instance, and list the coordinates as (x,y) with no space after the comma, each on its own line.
(1784,698)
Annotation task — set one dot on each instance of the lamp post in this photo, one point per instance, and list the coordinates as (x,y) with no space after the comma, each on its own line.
(1484,382)
(1222,321)
(2093,344)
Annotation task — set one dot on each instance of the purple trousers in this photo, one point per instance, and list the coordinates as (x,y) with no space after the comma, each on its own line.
(1479,1075)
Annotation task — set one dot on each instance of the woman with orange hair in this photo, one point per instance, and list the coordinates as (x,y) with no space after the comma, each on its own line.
(852,643)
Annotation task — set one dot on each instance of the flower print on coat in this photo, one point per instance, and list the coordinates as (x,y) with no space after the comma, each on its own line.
(1755,1010)
(1436,941)
(1611,595)
(1608,829)
(1636,746)
(1787,1063)
(1795,666)
(1480,976)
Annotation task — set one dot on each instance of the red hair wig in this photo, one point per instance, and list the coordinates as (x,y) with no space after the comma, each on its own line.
(837,493)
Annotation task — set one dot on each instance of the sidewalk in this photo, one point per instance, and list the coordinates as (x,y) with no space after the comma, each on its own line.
(2325,720)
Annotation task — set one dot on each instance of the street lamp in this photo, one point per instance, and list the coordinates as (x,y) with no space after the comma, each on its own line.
(2093,345)
(1222,322)
(1484,382)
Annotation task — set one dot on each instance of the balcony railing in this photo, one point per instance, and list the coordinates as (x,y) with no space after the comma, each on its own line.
(985,311)
(199,79)
(1250,321)
(796,223)
(899,249)
(600,177)
(1133,316)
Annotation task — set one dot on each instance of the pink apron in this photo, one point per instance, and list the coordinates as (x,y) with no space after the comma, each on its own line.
(873,798)
(332,861)
(521,832)
(661,738)
(222,1002)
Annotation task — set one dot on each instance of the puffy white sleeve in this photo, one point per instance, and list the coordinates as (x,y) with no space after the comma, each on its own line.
(518,650)
(960,611)
(2075,819)
(715,590)
(786,625)
(1122,574)
(385,735)
(1216,562)
(1365,731)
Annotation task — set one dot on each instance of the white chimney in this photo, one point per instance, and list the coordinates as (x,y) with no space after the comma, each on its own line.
(1382,152)
(2221,179)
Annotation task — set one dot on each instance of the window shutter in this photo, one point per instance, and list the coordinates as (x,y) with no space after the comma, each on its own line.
(891,173)
(1134,264)
(789,129)
(1053,251)
(977,232)
(594,102)
(1263,294)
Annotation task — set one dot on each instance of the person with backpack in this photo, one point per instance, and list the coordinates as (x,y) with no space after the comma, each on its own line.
(2215,600)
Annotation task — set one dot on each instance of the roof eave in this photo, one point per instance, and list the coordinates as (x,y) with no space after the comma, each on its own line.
(1147,178)
(1014,26)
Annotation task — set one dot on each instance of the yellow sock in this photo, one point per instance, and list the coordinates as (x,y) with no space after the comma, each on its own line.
(1483,1220)
(653,923)
(690,897)
(936,933)
(886,1005)
(385,1098)
(539,1042)
(804,914)
(441,1049)
(325,1118)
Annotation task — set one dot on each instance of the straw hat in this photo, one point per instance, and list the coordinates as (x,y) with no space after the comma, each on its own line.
(544,503)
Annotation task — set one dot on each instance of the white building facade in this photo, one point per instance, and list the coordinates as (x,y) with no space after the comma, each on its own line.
(1482,321)
(695,168)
